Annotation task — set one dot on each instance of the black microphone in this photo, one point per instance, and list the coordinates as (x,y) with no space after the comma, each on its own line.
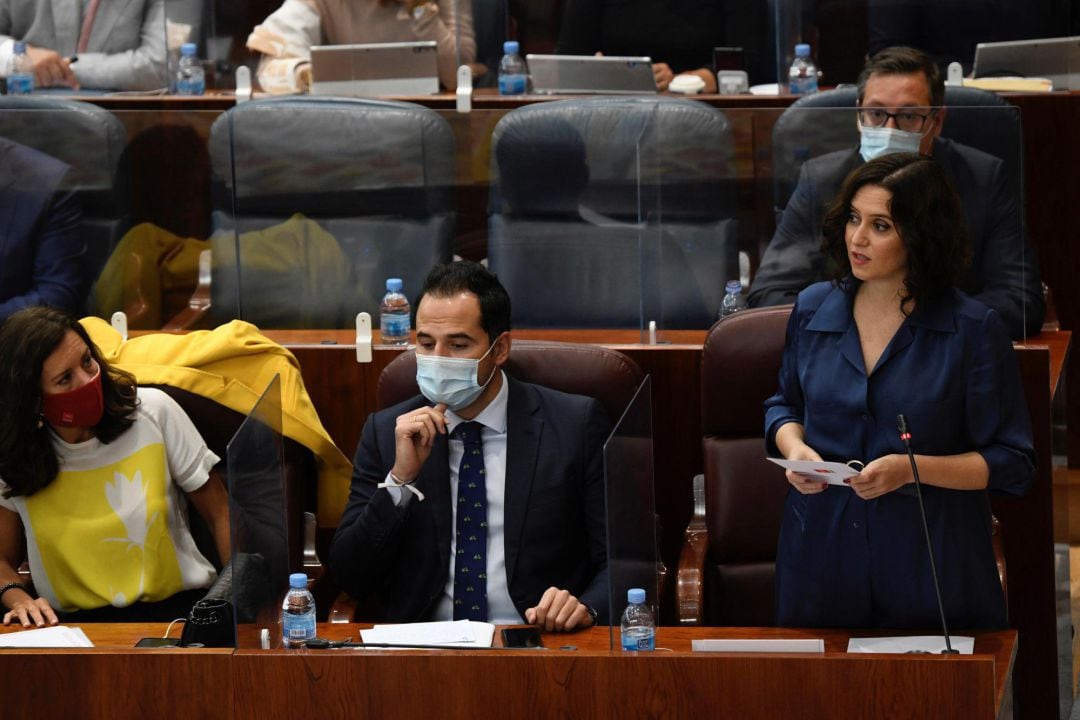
(902,426)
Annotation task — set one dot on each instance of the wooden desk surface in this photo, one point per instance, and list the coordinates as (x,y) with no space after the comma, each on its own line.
(589,680)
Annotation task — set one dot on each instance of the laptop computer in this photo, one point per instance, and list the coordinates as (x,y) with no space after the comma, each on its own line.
(575,74)
(1057,59)
(374,69)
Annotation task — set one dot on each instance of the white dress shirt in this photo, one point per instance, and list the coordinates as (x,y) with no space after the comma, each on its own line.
(501,609)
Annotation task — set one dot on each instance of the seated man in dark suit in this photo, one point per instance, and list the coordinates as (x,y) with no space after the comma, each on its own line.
(41,250)
(482,498)
(898,88)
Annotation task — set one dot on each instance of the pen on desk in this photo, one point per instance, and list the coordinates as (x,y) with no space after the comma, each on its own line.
(73,59)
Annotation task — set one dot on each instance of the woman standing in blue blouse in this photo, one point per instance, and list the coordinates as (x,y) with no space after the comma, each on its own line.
(892,335)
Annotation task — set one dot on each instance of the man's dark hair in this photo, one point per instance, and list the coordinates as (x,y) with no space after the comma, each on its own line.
(449,279)
(28,462)
(904,61)
(926,212)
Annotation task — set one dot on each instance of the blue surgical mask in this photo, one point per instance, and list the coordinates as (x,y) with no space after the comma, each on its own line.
(449,380)
(879,141)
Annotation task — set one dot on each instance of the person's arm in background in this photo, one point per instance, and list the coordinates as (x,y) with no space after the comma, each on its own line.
(1011,283)
(450,25)
(582,28)
(285,39)
(141,68)
(793,258)
(59,266)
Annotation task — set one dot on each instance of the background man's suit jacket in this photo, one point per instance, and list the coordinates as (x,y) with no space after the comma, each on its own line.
(41,249)
(554,528)
(126,49)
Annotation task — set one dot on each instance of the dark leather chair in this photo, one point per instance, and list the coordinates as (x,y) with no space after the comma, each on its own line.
(817,124)
(598,372)
(607,375)
(727,564)
(375,180)
(611,212)
(92,141)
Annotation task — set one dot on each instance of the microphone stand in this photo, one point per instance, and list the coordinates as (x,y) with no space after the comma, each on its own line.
(901,425)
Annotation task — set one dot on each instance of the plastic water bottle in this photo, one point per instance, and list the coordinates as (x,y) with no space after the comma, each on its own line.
(802,77)
(298,613)
(638,626)
(733,300)
(190,77)
(394,314)
(513,75)
(20,71)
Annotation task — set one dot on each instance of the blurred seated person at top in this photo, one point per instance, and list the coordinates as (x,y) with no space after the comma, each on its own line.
(93,474)
(890,335)
(95,44)
(900,98)
(949,30)
(286,37)
(42,252)
(482,498)
(678,35)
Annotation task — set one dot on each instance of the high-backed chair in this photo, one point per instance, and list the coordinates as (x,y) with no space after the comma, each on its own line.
(611,212)
(727,566)
(373,182)
(815,124)
(92,141)
(601,373)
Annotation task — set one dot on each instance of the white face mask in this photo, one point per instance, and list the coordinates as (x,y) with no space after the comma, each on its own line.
(449,380)
(879,141)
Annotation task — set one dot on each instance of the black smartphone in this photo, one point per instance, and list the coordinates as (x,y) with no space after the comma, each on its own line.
(522,637)
(157,642)
(728,58)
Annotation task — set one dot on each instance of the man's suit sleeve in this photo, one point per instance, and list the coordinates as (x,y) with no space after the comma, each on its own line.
(793,260)
(597,428)
(59,260)
(1009,269)
(141,68)
(370,530)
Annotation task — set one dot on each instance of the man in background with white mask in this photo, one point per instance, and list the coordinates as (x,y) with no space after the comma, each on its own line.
(483,497)
(901,93)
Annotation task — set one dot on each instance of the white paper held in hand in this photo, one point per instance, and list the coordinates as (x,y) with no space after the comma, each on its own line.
(833,473)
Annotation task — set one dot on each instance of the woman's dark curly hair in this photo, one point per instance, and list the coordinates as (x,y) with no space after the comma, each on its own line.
(926,212)
(28,462)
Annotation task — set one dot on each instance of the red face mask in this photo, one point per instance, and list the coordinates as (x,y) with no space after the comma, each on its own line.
(81,407)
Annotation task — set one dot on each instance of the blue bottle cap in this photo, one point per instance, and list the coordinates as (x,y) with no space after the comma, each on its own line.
(733,286)
(802,50)
(298,580)
(635,596)
(19,47)
(511,47)
(188,48)
(394,285)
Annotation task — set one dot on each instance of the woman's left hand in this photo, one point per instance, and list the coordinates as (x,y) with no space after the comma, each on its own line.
(882,476)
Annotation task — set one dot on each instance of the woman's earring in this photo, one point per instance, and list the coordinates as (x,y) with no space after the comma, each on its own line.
(41,420)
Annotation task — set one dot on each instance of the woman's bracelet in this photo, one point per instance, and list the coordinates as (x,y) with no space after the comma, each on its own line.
(12,586)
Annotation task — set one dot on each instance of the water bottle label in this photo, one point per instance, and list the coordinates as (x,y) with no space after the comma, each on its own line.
(512,84)
(190,86)
(394,325)
(803,85)
(636,643)
(20,84)
(298,627)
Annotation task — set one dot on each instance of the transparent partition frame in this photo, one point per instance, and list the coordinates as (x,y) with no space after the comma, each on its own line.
(260,564)
(633,554)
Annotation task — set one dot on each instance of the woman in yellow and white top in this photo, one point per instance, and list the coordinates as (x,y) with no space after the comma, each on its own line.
(91,474)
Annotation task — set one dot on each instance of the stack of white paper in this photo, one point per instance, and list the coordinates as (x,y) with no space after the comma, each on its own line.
(59,636)
(455,633)
(764,645)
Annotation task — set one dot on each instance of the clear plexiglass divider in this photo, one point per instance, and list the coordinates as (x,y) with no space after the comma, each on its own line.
(633,555)
(259,569)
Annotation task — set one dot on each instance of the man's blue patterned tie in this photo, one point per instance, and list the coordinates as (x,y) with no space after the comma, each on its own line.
(470,563)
